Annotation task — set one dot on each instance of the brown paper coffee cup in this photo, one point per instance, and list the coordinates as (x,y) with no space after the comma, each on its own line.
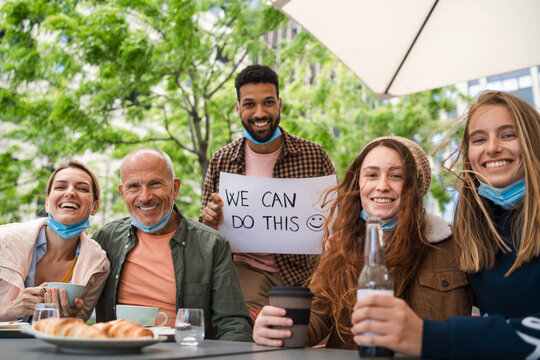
(297,302)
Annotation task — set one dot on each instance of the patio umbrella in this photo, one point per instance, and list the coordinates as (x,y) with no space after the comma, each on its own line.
(399,47)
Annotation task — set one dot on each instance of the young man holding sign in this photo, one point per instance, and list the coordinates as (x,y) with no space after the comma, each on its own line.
(265,150)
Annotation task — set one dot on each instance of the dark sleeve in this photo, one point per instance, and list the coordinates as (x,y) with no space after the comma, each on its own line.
(102,304)
(230,316)
(100,238)
(488,337)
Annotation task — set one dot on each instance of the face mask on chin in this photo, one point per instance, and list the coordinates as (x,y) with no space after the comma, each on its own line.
(67,231)
(152,229)
(276,134)
(250,135)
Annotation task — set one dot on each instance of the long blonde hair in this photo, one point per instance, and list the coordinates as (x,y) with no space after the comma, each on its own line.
(474,229)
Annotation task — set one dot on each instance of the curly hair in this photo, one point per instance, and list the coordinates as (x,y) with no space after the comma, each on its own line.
(256,74)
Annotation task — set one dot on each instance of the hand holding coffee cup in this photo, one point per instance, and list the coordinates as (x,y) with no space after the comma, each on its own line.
(67,296)
(143,315)
(284,322)
(73,291)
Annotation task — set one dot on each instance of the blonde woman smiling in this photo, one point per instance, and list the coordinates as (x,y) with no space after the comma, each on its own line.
(54,249)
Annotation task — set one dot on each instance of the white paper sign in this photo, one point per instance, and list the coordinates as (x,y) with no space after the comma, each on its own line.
(269,215)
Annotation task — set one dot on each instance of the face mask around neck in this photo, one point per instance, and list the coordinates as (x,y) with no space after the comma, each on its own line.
(387,224)
(248,136)
(507,197)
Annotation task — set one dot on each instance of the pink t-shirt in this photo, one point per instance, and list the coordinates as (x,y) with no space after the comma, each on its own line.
(260,165)
(148,276)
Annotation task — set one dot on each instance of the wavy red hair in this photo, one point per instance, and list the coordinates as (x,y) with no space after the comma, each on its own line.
(334,280)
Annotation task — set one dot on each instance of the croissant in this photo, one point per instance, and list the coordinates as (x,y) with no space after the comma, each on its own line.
(123,329)
(77,328)
(68,327)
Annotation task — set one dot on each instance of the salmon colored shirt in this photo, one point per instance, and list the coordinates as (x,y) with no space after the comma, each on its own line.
(148,276)
(260,165)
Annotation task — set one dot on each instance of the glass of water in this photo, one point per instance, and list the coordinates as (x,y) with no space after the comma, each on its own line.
(45,310)
(189,326)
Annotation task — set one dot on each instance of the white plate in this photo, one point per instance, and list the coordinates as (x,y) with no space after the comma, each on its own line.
(162,330)
(95,346)
(11,325)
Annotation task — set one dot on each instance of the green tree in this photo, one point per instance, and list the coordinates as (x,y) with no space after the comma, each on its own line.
(81,76)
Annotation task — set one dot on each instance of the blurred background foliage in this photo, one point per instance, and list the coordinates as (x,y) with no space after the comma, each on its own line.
(93,80)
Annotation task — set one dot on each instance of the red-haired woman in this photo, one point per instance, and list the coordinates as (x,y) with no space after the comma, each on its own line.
(389,178)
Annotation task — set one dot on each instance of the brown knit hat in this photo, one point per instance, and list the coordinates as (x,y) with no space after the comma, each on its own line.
(423,168)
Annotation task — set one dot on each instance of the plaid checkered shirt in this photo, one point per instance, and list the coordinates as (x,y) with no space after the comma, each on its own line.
(299,158)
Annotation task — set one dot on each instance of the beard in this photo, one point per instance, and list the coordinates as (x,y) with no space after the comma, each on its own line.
(262,135)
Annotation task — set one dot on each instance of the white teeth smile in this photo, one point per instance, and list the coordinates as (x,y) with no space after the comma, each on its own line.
(69,205)
(260,123)
(381,200)
(497,163)
(148,208)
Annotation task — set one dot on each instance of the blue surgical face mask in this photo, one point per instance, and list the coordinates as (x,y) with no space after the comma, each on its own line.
(247,135)
(67,231)
(387,224)
(152,229)
(507,197)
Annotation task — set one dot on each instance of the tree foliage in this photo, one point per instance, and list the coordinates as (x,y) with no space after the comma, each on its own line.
(105,77)
(87,76)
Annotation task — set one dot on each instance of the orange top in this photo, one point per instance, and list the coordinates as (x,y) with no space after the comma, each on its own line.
(148,276)
(69,274)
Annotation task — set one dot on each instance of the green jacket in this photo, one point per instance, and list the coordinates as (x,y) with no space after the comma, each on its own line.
(204,272)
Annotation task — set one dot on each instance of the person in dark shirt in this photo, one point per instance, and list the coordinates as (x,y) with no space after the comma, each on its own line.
(497,226)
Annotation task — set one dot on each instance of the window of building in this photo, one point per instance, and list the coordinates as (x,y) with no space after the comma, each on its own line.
(517,82)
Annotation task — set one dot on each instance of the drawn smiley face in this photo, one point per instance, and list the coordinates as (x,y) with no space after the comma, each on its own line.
(315,222)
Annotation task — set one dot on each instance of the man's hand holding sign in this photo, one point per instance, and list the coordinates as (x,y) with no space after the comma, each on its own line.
(212,214)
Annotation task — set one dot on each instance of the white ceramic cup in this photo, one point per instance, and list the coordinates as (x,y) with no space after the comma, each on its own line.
(143,315)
